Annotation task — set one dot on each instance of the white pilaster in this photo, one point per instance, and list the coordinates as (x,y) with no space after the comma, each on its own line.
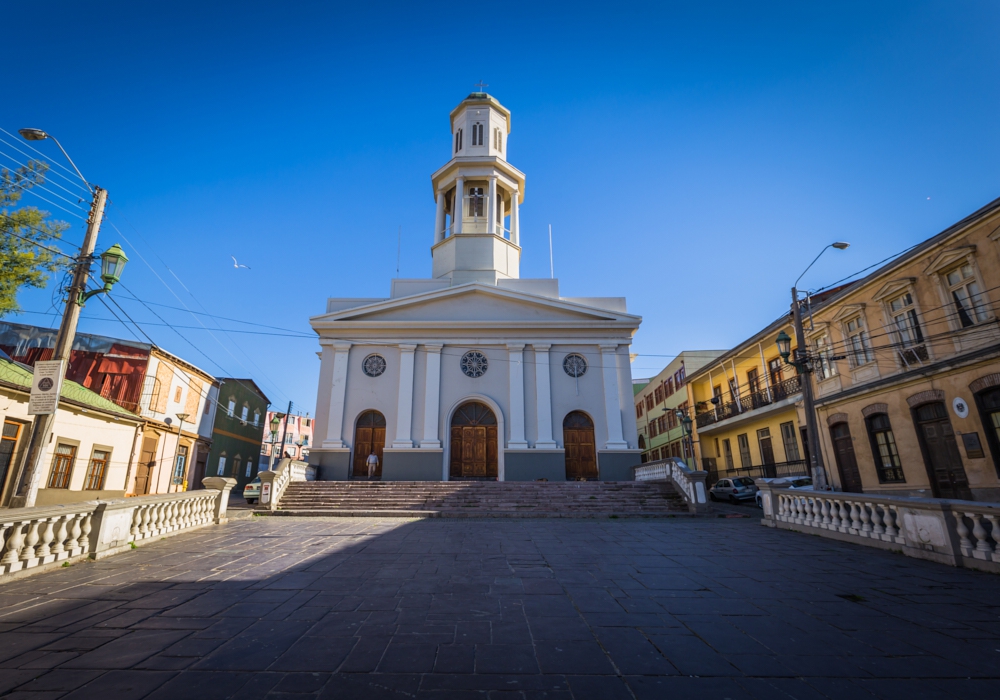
(338,390)
(515,354)
(404,409)
(458,210)
(439,218)
(515,219)
(432,397)
(612,405)
(543,391)
(491,210)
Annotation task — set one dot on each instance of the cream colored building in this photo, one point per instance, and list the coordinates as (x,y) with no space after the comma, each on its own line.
(91,446)
(475,372)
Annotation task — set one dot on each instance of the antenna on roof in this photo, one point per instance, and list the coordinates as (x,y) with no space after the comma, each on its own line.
(552,268)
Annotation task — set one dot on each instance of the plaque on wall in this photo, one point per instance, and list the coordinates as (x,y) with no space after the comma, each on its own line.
(973,448)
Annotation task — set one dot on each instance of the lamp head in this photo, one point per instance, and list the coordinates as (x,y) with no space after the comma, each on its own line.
(32,134)
(841,245)
(112,263)
(784,343)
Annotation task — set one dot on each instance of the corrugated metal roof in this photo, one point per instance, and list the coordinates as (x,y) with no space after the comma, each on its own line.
(20,377)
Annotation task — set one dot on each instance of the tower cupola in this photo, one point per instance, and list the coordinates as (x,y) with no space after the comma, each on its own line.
(478,195)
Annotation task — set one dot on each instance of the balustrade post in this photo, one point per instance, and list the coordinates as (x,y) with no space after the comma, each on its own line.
(61,534)
(30,541)
(994,532)
(834,514)
(963,531)
(980,533)
(45,546)
(855,517)
(877,527)
(85,528)
(845,522)
(14,541)
(826,512)
(889,516)
(74,533)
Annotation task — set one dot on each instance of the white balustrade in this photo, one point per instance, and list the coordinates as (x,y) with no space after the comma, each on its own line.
(962,533)
(689,484)
(35,537)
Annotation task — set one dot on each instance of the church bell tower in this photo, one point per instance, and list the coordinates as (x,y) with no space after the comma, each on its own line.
(476,227)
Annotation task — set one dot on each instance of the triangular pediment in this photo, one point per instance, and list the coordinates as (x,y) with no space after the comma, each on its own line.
(949,257)
(896,286)
(473,304)
(848,311)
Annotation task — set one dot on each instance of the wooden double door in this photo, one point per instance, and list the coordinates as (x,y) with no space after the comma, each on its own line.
(369,436)
(847,462)
(944,463)
(580,445)
(474,442)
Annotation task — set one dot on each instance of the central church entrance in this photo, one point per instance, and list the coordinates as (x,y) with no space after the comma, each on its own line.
(369,434)
(581,449)
(473,442)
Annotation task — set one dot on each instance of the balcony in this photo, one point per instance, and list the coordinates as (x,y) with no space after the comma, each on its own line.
(750,402)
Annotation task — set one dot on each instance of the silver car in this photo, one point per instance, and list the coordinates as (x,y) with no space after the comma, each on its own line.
(787,482)
(740,488)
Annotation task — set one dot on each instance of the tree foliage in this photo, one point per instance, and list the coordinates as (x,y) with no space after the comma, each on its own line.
(28,237)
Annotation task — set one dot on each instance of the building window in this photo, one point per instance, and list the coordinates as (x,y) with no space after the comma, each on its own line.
(653,429)
(256,417)
(231,407)
(827,367)
(180,464)
(474,364)
(177,395)
(244,413)
(476,201)
(208,405)
(907,326)
(96,470)
(575,365)
(776,368)
(727,453)
(658,394)
(236,465)
(744,443)
(477,134)
(649,402)
(859,350)
(884,449)
(221,470)
(62,465)
(655,454)
(970,308)
(790,442)
(458,141)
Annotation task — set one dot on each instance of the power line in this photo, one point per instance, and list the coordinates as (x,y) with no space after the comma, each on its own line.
(74,179)
(36,243)
(44,180)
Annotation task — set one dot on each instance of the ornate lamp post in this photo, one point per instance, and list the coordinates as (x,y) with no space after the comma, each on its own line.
(275,422)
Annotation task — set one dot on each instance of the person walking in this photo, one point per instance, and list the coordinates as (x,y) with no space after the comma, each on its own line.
(372,463)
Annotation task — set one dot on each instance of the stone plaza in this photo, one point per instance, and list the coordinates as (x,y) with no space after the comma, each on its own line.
(501,608)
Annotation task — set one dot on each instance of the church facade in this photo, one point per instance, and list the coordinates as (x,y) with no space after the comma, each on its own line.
(475,373)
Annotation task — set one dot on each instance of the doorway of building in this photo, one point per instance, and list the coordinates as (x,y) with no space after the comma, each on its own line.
(847,463)
(8,449)
(989,411)
(144,470)
(580,446)
(474,446)
(369,436)
(941,456)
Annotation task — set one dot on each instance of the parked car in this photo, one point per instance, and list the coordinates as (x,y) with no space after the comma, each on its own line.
(741,488)
(251,491)
(786,482)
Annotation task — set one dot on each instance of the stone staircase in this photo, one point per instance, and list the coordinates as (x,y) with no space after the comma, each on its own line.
(470,499)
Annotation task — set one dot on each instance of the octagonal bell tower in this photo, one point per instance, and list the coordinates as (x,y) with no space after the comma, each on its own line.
(478,193)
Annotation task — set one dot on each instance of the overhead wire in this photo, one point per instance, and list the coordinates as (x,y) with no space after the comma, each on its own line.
(79,198)
(73,178)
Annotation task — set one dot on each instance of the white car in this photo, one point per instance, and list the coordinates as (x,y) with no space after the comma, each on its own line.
(802,483)
(742,488)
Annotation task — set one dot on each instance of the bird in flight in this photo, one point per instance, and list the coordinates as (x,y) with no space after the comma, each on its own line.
(238,265)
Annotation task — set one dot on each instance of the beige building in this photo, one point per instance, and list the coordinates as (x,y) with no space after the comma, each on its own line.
(914,405)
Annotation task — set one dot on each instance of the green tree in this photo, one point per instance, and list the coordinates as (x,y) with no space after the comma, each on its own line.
(27,247)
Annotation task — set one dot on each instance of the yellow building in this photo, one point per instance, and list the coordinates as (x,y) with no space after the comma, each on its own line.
(906,378)
(746,411)
(913,408)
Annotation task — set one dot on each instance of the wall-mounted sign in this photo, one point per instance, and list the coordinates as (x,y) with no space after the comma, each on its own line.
(45,387)
(265,494)
(973,448)
(961,407)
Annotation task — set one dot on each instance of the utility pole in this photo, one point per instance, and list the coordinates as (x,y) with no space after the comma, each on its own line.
(31,472)
(284,431)
(805,369)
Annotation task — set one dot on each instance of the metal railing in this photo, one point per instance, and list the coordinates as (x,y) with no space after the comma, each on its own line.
(750,402)
(775,470)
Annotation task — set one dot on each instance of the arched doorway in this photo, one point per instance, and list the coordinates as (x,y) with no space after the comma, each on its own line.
(474,445)
(941,455)
(369,434)
(580,445)
(847,462)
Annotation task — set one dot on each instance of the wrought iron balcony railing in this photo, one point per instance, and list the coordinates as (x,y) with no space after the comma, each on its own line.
(750,402)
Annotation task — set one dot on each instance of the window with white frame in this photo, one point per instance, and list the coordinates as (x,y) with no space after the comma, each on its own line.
(231,407)
(966,294)
(458,141)
(256,417)
(859,348)
(477,134)
(824,353)
(244,413)
(906,324)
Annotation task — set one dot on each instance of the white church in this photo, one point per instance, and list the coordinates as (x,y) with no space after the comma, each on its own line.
(476,373)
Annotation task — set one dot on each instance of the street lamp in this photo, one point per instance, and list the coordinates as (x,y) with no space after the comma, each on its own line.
(804,367)
(179,478)
(113,260)
(275,422)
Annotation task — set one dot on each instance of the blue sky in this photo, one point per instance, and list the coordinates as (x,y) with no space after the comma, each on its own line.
(692,157)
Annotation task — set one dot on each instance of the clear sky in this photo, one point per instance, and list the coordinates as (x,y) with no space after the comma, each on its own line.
(692,157)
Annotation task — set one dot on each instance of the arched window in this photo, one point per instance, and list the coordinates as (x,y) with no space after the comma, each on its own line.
(256,417)
(221,470)
(231,407)
(245,412)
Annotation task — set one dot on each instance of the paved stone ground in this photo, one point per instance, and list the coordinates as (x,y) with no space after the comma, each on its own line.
(497,609)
